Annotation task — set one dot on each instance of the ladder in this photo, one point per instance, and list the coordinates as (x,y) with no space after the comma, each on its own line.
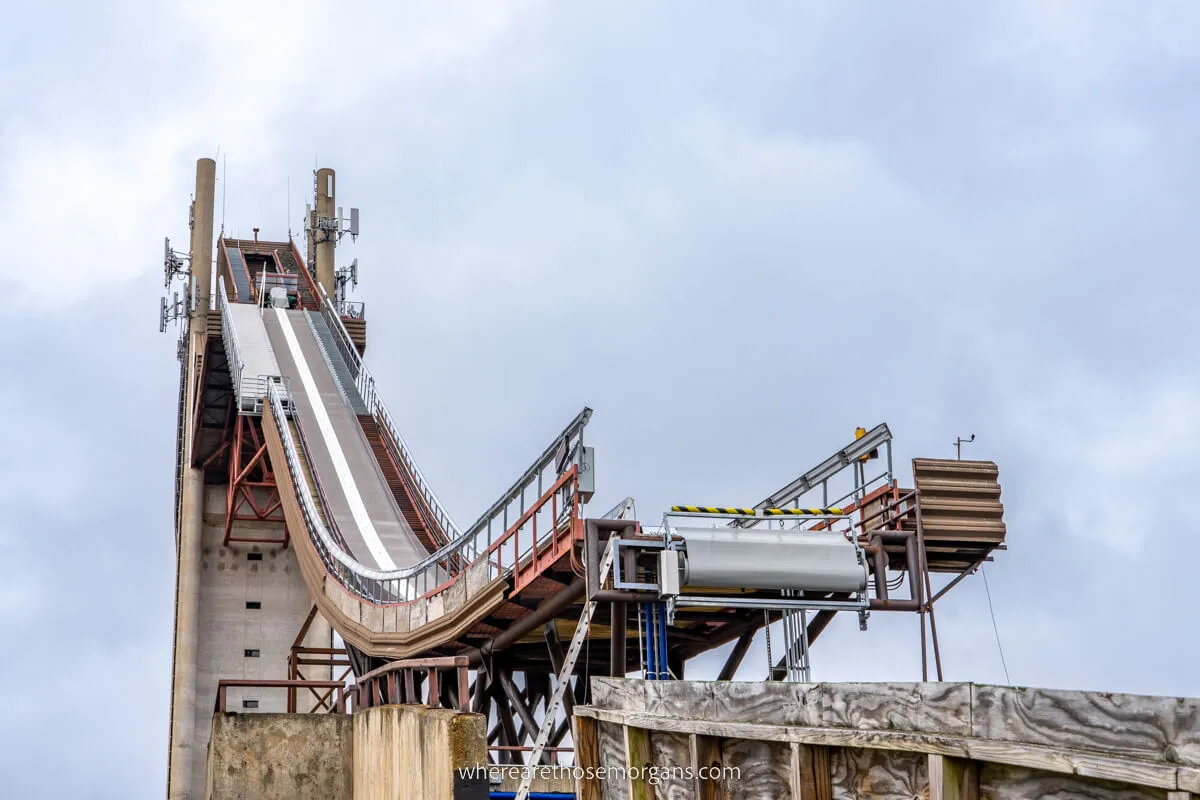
(564,679)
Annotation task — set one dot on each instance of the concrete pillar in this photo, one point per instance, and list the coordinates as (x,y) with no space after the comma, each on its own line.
(281,757)
(187,601)
(410,752)
(320,634)
(326,209)
(202,236)
(181,779)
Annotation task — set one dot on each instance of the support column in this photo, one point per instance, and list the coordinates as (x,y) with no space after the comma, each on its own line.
(953,778)
(326,239)
(181,777)
(706,767)
(737,654)
(638,761)
(202,237)
(587,754)
(811,776)
(675,665)
(617,627)
(556,664)
(187,603)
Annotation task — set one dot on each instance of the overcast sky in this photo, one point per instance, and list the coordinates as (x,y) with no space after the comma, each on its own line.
(736,231)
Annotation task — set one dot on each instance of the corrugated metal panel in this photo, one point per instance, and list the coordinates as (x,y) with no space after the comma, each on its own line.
(962,517)
(959,499)
(357,328)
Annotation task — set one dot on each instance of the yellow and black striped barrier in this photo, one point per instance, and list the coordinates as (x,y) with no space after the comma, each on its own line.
(802,512)
(712,510)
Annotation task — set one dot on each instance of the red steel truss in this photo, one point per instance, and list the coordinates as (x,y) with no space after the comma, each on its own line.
(251,495)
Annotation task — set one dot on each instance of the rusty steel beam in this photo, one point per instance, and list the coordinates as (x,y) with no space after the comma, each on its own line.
(480,693)
(249,477)
(508,728)
(737,654)
(524,711)
(618,623)
(923,593)
(548,609)
(556,662)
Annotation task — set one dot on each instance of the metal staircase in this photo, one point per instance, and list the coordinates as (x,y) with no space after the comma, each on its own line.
(239,272)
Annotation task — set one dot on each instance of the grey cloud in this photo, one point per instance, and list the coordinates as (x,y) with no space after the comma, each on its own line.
(954,219)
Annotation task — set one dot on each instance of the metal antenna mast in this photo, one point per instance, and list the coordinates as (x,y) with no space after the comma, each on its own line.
(224,175)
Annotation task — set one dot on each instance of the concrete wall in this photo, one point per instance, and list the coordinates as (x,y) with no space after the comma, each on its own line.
(385,753)
(227,628)
(419,753)
(886,741)
(280,757)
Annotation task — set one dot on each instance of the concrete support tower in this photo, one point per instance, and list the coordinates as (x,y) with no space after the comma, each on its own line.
(242,606)
(326,239)
(202,241)
(187,581)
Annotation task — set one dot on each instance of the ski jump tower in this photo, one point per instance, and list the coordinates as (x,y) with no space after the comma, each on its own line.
(242,609)
(318,571)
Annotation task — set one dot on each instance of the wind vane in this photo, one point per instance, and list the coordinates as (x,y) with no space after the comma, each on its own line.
(959,442)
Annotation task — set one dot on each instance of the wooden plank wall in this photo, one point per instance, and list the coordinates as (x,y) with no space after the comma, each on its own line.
(933,741)
(612,752)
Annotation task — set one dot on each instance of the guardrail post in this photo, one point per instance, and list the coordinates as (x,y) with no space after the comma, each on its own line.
(464,700)
(435,689)
(516,556)
(952,778)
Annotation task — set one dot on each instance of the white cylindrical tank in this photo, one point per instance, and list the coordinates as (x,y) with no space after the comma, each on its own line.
(819,561)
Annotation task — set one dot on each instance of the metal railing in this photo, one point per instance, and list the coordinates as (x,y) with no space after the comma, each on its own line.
(828,480)
(338,688)
(266,281)
(365,383)
(371,584)
(555,505)
(395,683)
(233,350)
(351,309)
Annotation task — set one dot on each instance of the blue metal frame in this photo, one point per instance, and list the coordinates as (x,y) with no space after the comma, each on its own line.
(655,615)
